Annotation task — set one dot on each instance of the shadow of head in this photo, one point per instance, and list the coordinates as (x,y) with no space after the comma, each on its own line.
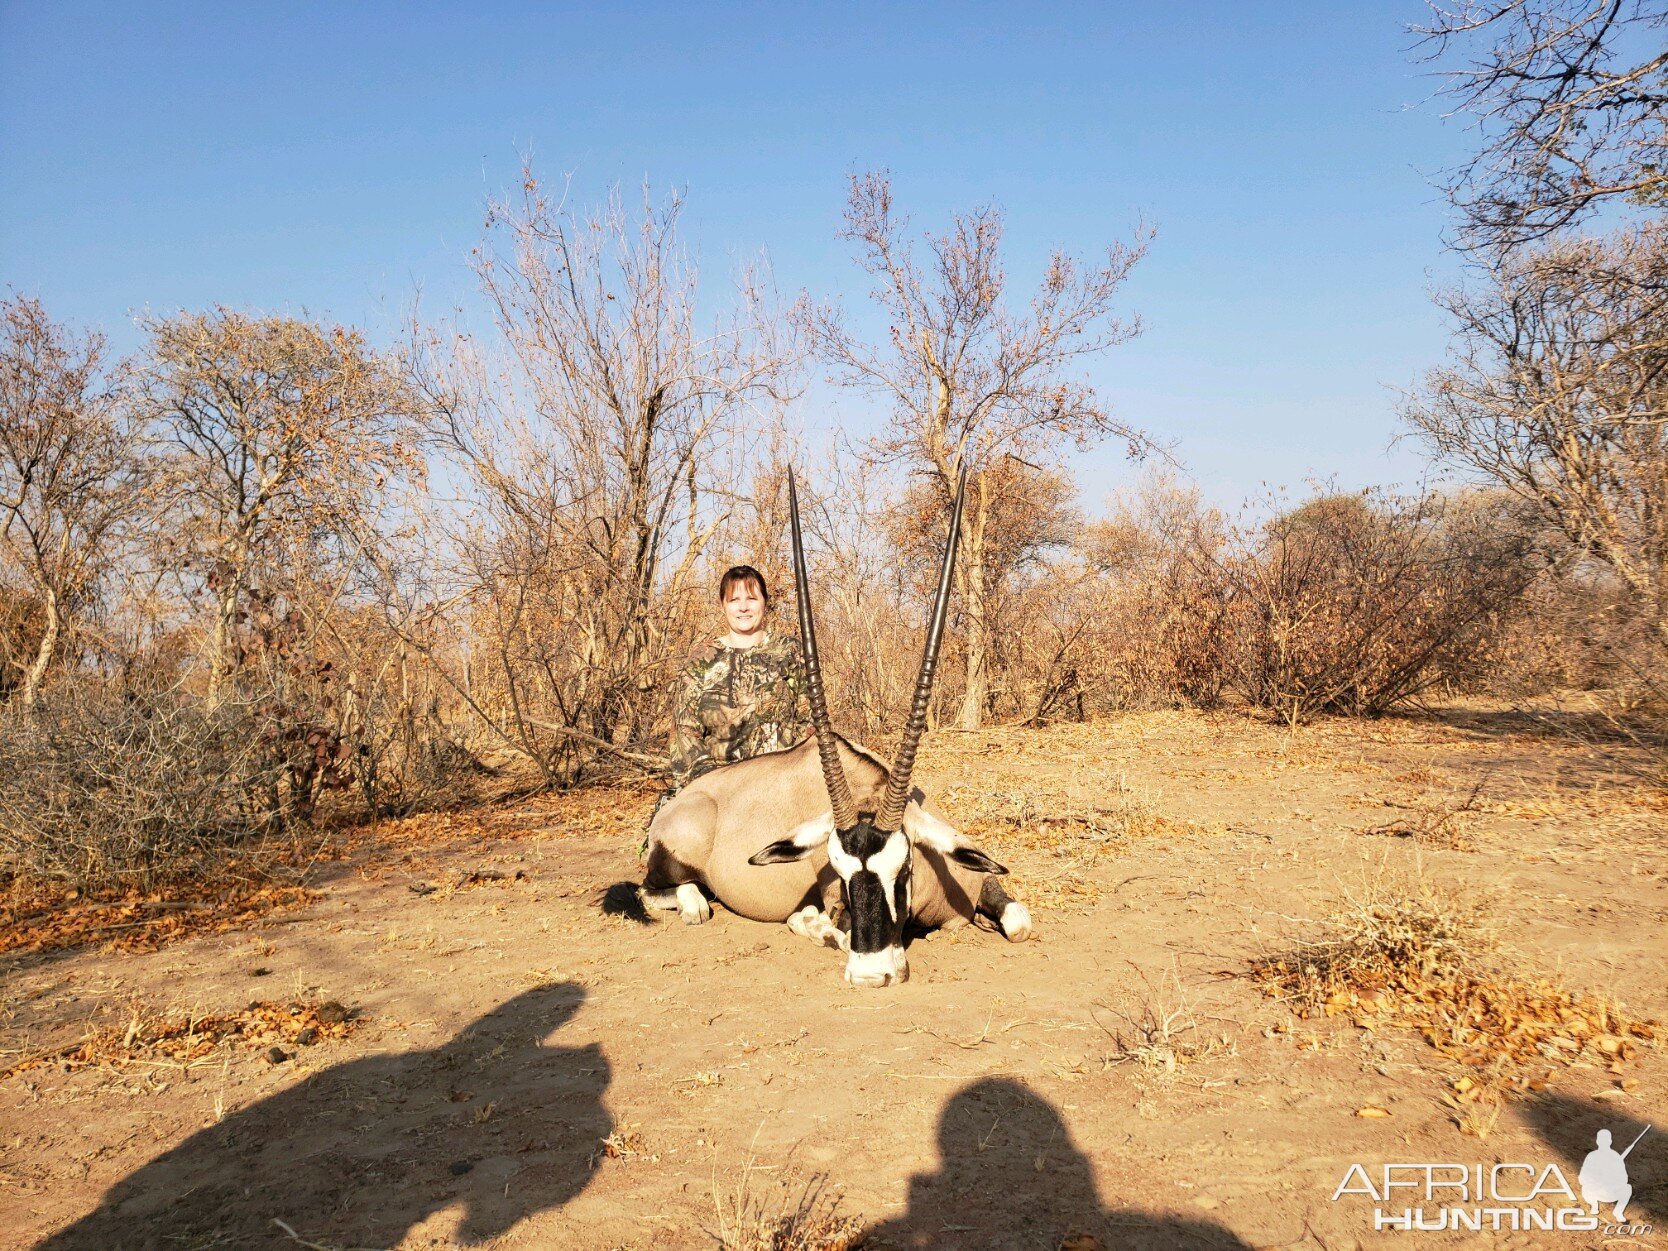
(1570,1126)
(494,1121)
(1010,1174)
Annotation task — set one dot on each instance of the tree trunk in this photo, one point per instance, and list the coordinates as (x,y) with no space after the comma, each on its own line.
(977,688)
(220,642)
(43,654)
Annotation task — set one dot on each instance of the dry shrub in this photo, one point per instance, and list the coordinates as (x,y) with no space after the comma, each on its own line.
(779,1217)
(1389,926)
(1356,603)
(1574,629)
(1424,957)
(21,626)
(110,788)
(366,711)
(1580,643)
(1350,604)
(1126,615)
(187,1039)
(1162,603)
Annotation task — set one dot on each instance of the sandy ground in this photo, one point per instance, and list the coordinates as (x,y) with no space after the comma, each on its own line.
(530,1072)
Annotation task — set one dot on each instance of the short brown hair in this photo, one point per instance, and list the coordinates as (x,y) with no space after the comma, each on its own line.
(737,574)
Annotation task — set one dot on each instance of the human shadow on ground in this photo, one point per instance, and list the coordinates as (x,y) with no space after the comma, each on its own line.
(492,1120)
(1569,1125)
(1010,1176)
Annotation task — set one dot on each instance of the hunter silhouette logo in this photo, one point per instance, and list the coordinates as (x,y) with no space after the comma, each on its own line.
(1514,1196)
(1603,1175)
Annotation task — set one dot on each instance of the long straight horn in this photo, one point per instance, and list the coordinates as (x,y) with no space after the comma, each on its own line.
(891,812)
(828,747)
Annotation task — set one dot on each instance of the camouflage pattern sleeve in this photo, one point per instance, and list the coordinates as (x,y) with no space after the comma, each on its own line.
(690,754)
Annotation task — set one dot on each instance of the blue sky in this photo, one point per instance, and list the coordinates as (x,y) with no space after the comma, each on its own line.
(334,159)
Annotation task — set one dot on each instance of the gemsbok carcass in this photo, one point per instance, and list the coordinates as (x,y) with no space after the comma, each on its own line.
(824,836)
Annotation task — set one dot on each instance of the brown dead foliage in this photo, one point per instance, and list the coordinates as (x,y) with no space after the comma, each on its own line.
(187,1038)
(588,812)
(1420,958)
(39,917)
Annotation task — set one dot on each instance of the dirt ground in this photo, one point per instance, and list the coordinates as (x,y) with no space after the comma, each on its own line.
(524,1070)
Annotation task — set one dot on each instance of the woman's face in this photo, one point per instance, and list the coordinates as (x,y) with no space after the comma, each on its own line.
(744,607)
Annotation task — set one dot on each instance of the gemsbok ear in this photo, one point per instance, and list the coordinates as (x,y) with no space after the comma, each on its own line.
(972,858)
(801,841)
(930,831)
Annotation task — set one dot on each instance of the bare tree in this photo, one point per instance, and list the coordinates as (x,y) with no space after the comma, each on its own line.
(1559,393)
(966,376)
(1570,96)
(592,463)
(281,431)
(69,470)
(1030,513)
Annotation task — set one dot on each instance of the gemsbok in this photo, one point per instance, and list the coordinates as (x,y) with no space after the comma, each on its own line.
(824,836)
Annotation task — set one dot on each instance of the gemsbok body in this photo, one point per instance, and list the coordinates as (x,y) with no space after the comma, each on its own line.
(825,836)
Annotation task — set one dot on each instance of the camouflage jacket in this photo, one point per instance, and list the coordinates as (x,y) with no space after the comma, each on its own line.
(737,702)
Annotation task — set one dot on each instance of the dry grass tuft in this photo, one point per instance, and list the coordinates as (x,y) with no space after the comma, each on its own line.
(1392,925)
(781,1217)
(185,1040)
(1422,957)
(624,1144)
(1156,1028)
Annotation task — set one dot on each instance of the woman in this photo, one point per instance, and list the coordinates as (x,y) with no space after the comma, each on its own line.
(742,693)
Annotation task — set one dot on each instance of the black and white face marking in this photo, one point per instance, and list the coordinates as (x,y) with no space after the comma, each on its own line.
(874,869)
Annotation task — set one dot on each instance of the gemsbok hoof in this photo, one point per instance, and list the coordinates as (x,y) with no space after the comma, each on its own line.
(692,905)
